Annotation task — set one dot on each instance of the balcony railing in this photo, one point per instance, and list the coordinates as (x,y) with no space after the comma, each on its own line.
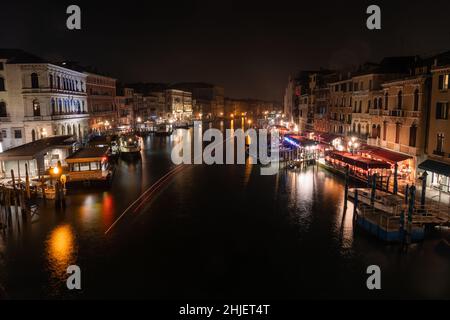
(5,118)
(402,113)
(375,112)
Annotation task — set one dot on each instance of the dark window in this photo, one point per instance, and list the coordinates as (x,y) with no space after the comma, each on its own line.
(399,100)
(412,136)
(370,84)
(33,135)
(416,100)
(375,103)
(2,84)
(384,131)
(386,101)
(4,134)
(360,107)
(368,105)
(397,133)
(59,82)
(440,143)
(51,81)
(17,134)
(1,65)
(442,110)
(380,103)
(3,112)
(34,81)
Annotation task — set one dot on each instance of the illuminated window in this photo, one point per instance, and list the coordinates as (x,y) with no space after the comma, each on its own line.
(36,108)
(443,81)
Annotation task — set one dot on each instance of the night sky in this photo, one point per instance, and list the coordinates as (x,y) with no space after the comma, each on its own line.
(249,47)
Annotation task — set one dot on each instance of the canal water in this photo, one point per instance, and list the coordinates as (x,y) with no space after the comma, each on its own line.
(212,232)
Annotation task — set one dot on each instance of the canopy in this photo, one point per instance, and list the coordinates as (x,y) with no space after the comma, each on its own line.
(361,162)
(436,167)
(387,155)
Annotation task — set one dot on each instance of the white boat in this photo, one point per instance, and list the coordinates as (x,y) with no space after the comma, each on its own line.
(164,129)
(129,145)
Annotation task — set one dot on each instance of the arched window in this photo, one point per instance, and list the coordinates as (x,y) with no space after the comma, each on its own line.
(50,81)
(3,112)
(54,111)
(2,84)
(379,131)
(33,135)
(36,108)
(380,103)
(412,135)
(59,105)
(63,130)
(399,100)
(375,103)
(384,131)
(79,131)
(34,81)
(416,100)
(359,128)
(386,101)
(74,130)
(58,78)
(69,129)
(374,131)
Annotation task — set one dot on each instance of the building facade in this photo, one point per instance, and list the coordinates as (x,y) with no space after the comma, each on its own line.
(178,104)
(39,99)
(101,92)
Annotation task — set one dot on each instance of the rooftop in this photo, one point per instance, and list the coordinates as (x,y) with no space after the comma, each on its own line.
(90,152)
(16,56)
(30,150)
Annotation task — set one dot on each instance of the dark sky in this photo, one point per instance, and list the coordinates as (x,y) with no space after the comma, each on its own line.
(249,47)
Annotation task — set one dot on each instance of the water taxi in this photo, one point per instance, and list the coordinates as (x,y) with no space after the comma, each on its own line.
(90,165)
(164,129)
(129,146)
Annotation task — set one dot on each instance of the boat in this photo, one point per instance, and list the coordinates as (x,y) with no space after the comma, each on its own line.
(129,146)
(90,165)
(164,129)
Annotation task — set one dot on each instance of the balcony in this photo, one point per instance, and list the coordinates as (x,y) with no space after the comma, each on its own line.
(5,118)
(401,113)
(52,90)
(69,115)
(37,118)
(376,112)
(439,153)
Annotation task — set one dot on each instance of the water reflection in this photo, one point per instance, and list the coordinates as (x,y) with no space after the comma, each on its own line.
(61,252)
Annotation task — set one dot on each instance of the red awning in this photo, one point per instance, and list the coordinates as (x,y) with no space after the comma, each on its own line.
(327,137)
(361,162)
(387,155)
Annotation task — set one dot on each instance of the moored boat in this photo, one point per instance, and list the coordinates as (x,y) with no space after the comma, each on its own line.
(129,146)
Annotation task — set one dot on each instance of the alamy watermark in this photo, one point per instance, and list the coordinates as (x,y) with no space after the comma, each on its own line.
(263,148)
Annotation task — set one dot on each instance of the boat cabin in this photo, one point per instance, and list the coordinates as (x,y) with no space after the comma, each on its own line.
(89,164)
